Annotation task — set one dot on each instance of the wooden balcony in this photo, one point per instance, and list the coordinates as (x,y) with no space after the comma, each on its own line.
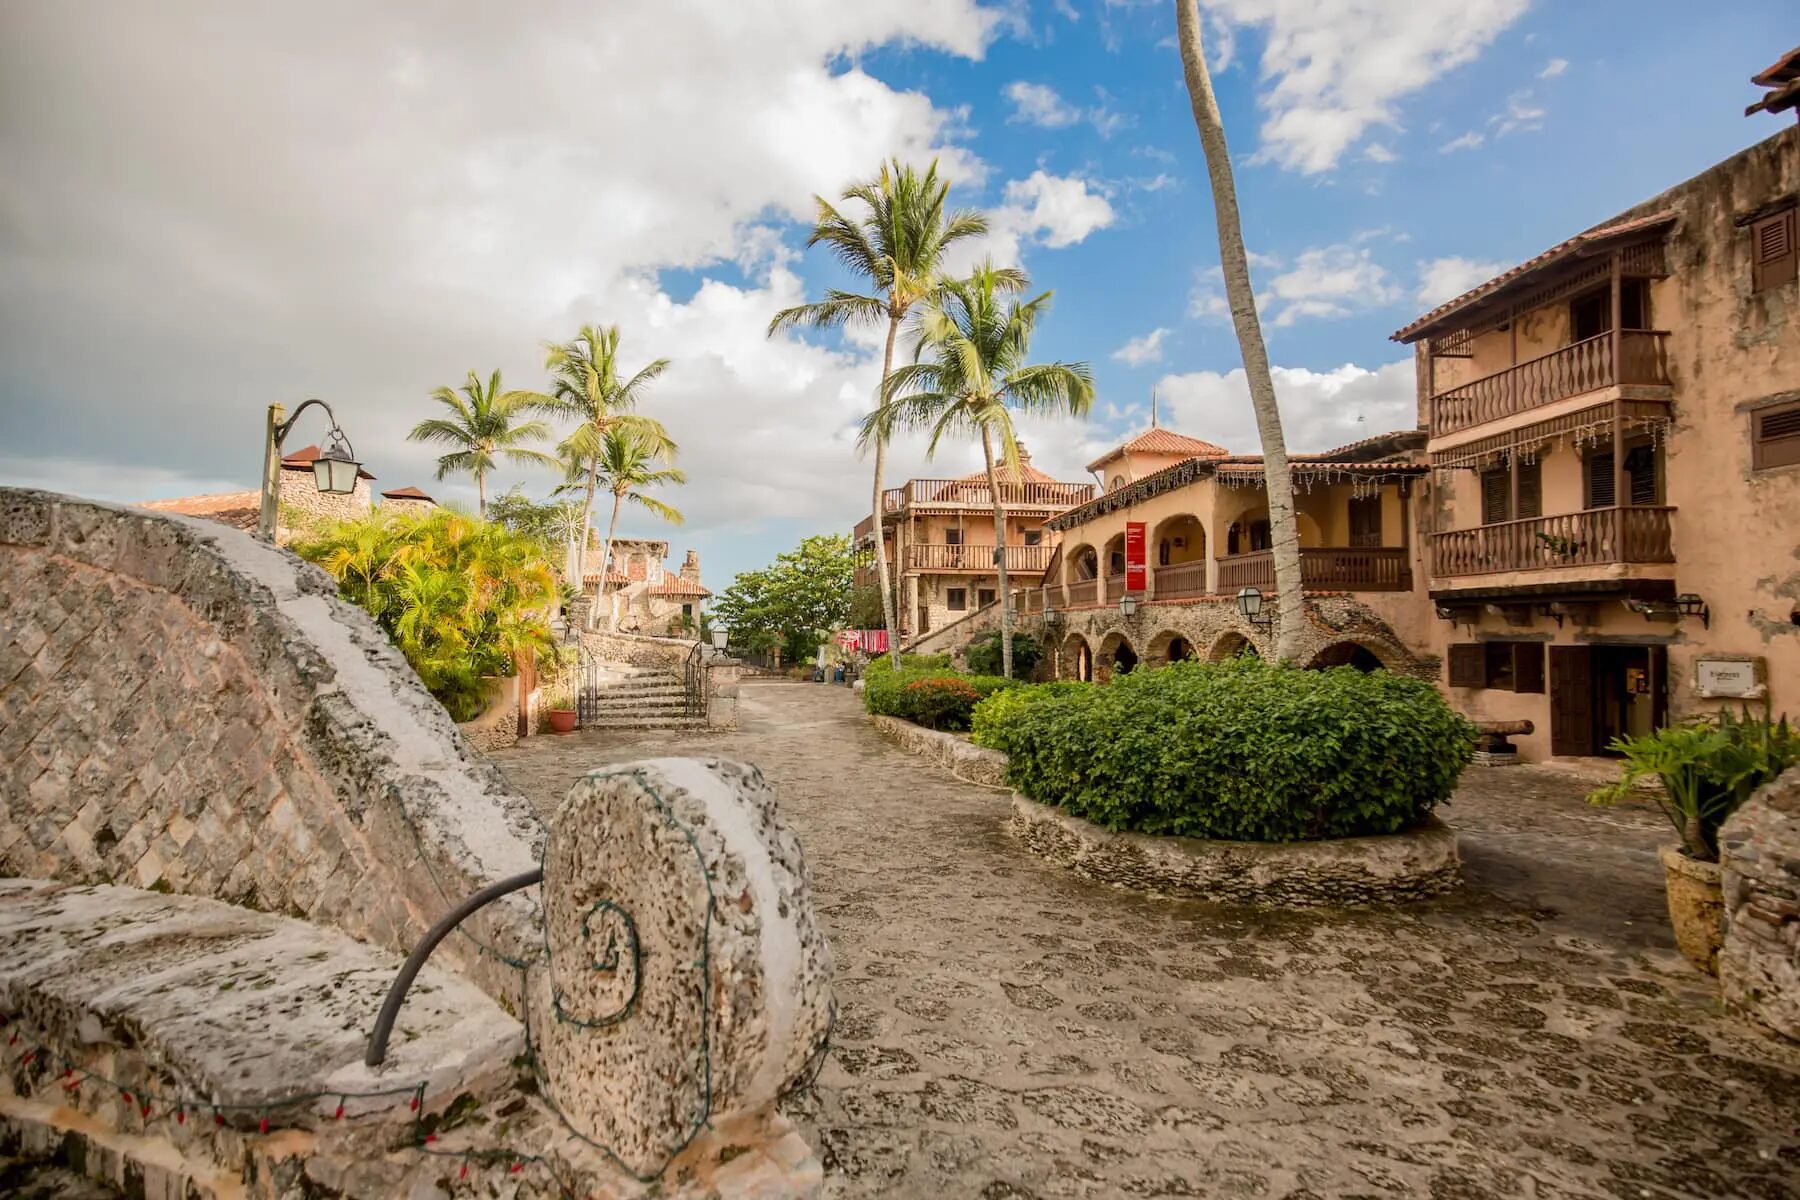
(1085,592)
(1323,569)
(975,559)
(1597,537)
(1583,366)
(1181,581)
(955,494)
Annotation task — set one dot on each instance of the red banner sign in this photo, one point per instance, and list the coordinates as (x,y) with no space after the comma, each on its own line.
(1135,580)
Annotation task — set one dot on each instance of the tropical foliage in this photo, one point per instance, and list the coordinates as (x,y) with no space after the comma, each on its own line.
(896,240)
(928,691)
(553,523)
(484,425)
(985,656)
(1707,768)
(460,597)
(978,341)
(1242,750)
(795,603)
(631,459)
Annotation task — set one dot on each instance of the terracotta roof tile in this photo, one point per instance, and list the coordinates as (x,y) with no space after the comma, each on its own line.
(675,585)
(303,459)
(406,493)
(240,510)
(1158,440)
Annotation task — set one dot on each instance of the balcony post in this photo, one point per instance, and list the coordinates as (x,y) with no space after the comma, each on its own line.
(1621,494)
(1212,575)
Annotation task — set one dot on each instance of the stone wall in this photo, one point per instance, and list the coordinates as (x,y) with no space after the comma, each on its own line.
(637,650)
(962,758)
(187,709)
(1759,965)
(304,505)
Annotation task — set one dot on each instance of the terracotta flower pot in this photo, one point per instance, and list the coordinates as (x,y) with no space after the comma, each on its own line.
(562,720)
(1696,906)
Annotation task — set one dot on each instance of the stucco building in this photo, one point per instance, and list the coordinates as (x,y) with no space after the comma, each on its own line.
(1613,509)
(938,536)
(638,594)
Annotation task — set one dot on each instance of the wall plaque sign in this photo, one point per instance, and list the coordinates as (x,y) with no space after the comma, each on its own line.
(1739,677)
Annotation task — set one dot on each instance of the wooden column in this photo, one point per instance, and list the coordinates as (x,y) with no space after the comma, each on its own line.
(1512,461)
(1620,494)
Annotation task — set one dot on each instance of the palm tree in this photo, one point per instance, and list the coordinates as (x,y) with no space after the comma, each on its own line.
(483,425)
(585,385)
(979,341)
(897,243)
(1284,531)
(630,460)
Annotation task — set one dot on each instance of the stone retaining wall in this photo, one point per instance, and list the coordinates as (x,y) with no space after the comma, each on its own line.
(1342,871)
(963,759)
(185,708)
(637,650)
(1759,964)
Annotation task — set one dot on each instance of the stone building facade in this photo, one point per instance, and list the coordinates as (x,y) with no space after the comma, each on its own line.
(639,594)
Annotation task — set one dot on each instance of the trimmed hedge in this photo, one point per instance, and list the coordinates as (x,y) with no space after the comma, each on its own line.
(992,713)
(939,704)
(1240,750)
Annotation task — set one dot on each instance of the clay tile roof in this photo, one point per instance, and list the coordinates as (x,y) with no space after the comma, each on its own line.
(1786,68)
(303,459)
(1779,99)
(675,585)
(1158,440)
(239,510)
(611,577)
(1562,250)
(1011,475)
(406,493)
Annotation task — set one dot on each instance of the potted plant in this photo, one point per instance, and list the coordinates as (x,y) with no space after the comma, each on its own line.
(1707,768)
(559,702)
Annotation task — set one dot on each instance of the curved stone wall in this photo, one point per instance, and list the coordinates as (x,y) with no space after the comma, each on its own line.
(1759,874)
(1368,870)
(184,708)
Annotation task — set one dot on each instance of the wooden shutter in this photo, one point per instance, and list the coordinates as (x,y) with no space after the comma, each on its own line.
(1571,700)
(1600,490)
(1531,490)
(1775,440)
(1468,664)
(1496,497)
(1365,521)
(1528,667)
(1773,253)
(1640,471)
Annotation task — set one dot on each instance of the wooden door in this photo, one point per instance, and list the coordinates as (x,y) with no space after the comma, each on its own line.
(1571,700)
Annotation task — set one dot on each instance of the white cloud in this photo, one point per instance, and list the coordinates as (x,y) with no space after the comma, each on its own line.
(1206,300)
(1522,115)
(1328,281)
(1376,152)
(1443,279)
(1039,104)
(360,203)
(1141,350)
(1319,409)
(1042,209)
(1553,68)
(1467,141)
(1333,70)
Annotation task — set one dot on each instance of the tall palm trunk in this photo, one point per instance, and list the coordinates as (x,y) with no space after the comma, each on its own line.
(987,449)
(587,529)
(481,493)
(882,579)
(1277,481)
(612,527)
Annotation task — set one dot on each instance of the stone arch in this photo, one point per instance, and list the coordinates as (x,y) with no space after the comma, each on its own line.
(1116,655)
(1169,647)
(1075,658)
(1112,559)
(1177,539)
(1360,655)
(1081,562)
(1230,644)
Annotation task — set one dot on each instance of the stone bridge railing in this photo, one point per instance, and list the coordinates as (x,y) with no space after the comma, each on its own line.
(217,774)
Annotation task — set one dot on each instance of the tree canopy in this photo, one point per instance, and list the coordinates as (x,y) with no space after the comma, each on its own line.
(795,603)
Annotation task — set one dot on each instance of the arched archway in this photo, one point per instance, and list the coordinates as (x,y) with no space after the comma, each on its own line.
(1114,559)
(1230,645)
(1116,656)
(1081,563)
(1176,540)
(1168,647)
(1075,659)
(1347,654)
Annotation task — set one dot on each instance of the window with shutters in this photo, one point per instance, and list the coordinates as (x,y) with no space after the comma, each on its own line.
(952,537)
(956,599)
(1774,255)
(1259,536)
(1034,537)
(1467,665)
(1496,496)
(1365,521)
(1531,490)
(1501,666)
(1775,437)
(1642,475)
(984,597)
(1600,489)
(1590,314)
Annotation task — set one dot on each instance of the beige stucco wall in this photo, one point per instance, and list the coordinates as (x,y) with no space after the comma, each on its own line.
(1736,531)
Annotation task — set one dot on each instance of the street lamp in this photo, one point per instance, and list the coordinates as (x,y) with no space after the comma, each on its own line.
(1691,605)
(1127,605)
(720,635)
(334,471)
(1250,603)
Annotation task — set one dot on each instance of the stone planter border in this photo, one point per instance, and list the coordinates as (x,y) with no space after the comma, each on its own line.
(966,761)
(1414,865)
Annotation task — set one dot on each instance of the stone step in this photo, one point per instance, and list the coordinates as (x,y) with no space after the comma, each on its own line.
(656,722)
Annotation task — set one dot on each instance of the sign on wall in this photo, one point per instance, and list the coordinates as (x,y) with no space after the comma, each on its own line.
(1739,677)
(1135,580)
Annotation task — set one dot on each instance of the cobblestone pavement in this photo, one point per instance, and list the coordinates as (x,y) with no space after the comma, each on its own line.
(1008,1030)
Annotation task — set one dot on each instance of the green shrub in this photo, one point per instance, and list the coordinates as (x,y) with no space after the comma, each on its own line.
(1240,750)
(985,655)
(996,710)
(938,701)
(885,690)
(1708,767)
(908,662)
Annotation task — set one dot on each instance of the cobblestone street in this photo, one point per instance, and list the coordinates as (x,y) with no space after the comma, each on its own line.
(1008,1030)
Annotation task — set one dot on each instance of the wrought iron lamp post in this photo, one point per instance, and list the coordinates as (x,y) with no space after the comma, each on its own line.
(334,471)
(1250,603)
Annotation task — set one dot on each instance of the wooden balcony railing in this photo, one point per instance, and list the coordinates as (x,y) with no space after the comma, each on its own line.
(1583,366)
(1115,586)
(1030,601)
(1085,592)
(1628,534)
(966,493)
(1323,569)
(1180,581)
(927,556)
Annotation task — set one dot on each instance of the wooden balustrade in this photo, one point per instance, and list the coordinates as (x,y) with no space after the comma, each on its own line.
(1087,591)
(977,559)
(1029,601)
(1626,534)
(1323,569)
(1115,587)
(1583,366)
(974,493)
(1180,581)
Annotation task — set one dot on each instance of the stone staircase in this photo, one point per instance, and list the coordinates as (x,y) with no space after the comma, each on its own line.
(632,698)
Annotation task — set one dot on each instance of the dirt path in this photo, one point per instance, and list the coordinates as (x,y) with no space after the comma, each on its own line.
(1007,1030)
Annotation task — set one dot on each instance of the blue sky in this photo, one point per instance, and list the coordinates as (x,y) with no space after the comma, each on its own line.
(212,208)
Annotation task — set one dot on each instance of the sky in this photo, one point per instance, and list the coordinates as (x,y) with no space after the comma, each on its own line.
(206,208)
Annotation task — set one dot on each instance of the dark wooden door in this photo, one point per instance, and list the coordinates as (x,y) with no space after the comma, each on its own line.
(1571,700)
